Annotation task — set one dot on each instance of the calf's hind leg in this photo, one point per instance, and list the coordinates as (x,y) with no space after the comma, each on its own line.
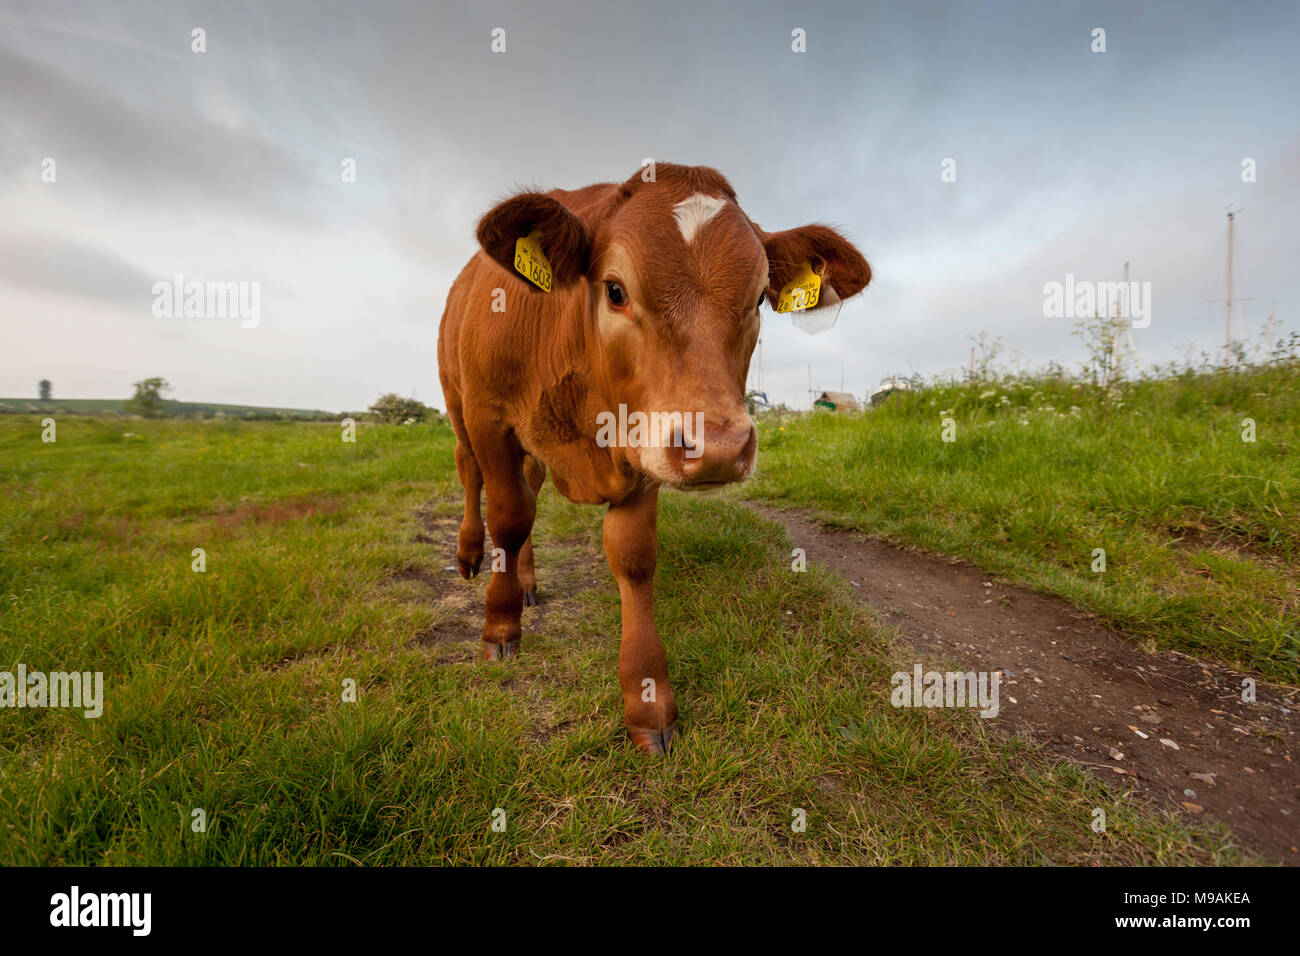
(534,474)
(469,542)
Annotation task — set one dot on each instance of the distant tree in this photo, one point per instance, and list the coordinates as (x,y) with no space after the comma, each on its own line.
(47,390)
(148,399)
(393,409)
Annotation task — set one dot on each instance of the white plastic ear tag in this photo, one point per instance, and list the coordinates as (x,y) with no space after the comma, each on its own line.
(801,292)
(816,307)
(817,320)
(531,262)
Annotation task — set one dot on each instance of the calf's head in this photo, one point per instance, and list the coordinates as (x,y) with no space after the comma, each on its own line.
(672,274)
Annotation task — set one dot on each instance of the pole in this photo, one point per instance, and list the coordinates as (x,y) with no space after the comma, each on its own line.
(1227,327)
(1123,298)
(1121,311)
(1128,325)
(1120,308)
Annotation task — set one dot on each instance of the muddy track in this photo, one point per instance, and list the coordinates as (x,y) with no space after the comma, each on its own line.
(1171,728)
(560,583)
(1069,684)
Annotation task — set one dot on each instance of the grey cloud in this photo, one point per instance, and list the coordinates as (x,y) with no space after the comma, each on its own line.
(144,153)
(70,267)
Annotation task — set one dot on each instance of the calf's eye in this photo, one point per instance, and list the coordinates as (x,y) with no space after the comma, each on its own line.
(614,292)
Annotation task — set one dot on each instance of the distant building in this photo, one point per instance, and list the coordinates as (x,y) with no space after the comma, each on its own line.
(888,385)
(837,402)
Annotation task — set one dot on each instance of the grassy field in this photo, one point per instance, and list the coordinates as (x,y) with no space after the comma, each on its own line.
(1200,528)
(327,562)
(117,406)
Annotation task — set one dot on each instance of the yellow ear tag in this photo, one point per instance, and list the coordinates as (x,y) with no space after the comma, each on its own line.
(531,262)
(801,292)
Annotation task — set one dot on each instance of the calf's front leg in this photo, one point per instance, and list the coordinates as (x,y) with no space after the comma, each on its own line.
(632,547)
(511,507)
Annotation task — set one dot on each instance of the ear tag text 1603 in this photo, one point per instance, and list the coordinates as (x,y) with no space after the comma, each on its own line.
(801,292)
(531,262)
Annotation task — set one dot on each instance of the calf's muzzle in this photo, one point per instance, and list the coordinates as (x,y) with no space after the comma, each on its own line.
(723,453)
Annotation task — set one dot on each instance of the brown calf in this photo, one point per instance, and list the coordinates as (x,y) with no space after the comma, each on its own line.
(642,299)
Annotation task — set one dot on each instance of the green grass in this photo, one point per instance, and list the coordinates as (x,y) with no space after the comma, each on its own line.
(1201,529)
(223,689)
(117,406)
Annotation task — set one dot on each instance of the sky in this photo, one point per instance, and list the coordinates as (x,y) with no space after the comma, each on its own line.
(128,158)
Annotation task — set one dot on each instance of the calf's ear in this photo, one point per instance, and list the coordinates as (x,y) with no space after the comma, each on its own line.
(565,238)
(839,262)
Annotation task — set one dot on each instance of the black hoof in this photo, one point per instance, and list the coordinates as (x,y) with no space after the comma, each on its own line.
(653,741)
(530,599)
(500,652)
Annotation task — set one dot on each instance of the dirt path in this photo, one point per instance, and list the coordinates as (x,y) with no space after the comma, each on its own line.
(1174,728)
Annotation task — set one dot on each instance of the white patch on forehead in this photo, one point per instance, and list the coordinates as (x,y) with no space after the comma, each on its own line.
(693,213)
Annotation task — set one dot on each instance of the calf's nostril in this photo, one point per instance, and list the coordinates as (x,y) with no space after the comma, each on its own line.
(747,453)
